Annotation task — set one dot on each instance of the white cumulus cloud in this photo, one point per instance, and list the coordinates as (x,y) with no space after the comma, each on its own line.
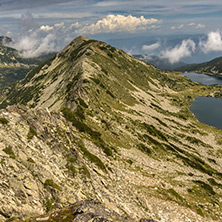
(196,26)
(180,51)
(192,24)
(151,47)
(118,23)
(46,28)
(33,45)
(177,27)
(181,26)
(74,26)
(35,40)
(213,42)
(200,26)
(59,25)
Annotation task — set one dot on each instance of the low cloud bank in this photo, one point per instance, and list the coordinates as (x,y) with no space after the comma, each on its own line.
(31,46)
(213,42)
(152,47)
(175,54)
(35,40)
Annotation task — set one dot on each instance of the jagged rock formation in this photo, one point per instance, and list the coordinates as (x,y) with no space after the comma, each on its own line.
(96,123)
(88,210)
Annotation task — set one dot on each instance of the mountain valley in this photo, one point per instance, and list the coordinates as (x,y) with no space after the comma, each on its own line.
(13,67)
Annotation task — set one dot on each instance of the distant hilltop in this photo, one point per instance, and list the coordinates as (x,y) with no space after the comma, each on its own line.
(5,40)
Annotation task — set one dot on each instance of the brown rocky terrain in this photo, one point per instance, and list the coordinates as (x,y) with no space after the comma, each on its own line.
(96,123)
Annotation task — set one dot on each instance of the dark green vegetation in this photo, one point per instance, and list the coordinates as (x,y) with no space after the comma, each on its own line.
(4,121)
(30,160)
(31,133)
(8,150)
(144,148)
(93,158)
(50,183)
(77,120)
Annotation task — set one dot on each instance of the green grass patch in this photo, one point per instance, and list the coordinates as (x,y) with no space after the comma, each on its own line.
(72,170)
(160,121)
(52,184)
(153,142)
(175,194)
(205,186)
(49,205)
(82,103)
(196,141)
(129,161)
(3,121)
(154,132)
(82,127)
(144,148)
(30,160)
(93,158)
(8,150)
(84,170)
(31,133)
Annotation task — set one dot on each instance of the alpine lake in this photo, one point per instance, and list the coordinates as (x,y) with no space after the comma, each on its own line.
(207,110)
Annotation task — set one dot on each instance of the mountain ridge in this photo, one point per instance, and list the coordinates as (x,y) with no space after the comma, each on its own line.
(213,67)
(100,124)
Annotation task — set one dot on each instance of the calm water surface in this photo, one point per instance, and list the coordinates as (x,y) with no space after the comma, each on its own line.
(207,110)
(204,79)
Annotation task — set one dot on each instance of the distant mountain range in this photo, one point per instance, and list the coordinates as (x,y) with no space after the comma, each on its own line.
(5,40)
(159,62)
(14,67)
(212,67)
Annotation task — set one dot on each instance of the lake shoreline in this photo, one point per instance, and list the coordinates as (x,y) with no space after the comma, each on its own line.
(206,109)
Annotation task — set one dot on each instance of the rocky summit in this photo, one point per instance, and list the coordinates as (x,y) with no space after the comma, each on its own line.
(94,134)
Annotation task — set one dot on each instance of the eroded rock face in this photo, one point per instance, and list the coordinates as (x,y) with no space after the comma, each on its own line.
(84,211)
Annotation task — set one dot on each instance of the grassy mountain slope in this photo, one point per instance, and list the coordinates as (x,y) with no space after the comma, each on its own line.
(212,67)
(107,126)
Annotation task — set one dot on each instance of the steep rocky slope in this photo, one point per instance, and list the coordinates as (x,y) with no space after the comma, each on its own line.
(95,123)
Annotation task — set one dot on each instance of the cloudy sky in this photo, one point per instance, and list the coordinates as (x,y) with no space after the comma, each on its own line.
(53,23)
